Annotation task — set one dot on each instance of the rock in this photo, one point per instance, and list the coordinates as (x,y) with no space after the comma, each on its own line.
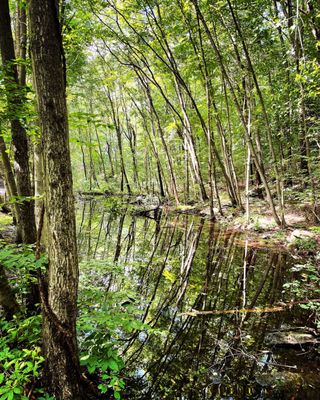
(301,234)
(206,211)
(290,338)
(265,379)
(146,201)
(303,240)
(281,382)
(256,193)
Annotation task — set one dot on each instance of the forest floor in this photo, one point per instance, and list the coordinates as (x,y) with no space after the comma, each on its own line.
(301,233)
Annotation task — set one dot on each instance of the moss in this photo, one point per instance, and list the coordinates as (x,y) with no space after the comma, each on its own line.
(305,244)
(315,229)
(5,219)
(183,207)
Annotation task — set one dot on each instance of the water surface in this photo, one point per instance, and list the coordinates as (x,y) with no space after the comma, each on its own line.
(169,267)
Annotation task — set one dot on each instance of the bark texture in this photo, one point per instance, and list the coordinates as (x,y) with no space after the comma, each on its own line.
(15,99)
(59,299)
(7,297)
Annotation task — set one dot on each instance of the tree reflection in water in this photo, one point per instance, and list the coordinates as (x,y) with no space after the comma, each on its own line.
(176,264)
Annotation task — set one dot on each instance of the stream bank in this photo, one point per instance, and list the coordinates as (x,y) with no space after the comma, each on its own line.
(301,234)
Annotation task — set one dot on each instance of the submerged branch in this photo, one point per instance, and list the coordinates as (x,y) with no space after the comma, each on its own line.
(282,307)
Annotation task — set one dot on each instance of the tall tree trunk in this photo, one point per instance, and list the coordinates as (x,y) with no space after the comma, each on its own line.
(239,110)
(115,118)
(59,304)
(15,100)
(99,145)
(154,146)
(278,174)
(153,113)
(21,41)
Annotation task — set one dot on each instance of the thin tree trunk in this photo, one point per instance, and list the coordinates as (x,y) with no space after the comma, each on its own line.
(99,147)
(163,141)
(110,158)
(238,107)
(130,134)
(155,151)
(115,118)
(248,170)
(21,40)
(265,114)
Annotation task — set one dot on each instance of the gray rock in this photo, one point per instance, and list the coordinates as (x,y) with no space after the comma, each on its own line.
(291,338)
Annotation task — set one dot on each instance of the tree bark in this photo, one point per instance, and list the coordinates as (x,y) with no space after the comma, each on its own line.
(7,297)
(15,99)
(238,107)
(10,184)
(21,41)
(59,303)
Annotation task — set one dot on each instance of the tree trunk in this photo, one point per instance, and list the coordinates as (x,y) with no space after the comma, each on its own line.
(153,145)
(59,304)
(7,298)
(21,41)
(239,110)
(10,184)
(15,101)
(116,122)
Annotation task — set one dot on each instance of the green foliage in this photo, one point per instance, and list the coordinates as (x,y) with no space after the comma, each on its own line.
(21,262)
(306,284)
(5,219)
(306,244)
(101,357)
(20,356)
(114,204)
(105,317)
(315,229)
(19,257)
(99,328)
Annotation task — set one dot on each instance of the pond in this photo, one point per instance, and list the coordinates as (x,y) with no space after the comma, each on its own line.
(212,307)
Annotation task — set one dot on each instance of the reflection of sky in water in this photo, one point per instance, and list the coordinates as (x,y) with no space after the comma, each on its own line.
(139,373)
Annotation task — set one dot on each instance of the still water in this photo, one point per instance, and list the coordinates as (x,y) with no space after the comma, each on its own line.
(185,279)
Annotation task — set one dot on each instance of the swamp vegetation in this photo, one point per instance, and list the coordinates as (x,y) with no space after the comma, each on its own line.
(159,185)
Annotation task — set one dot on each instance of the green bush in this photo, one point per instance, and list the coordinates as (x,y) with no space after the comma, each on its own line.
(20,357)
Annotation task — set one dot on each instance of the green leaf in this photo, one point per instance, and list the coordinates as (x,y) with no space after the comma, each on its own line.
(10,395)
(103,388)
(91,368)
(113,365)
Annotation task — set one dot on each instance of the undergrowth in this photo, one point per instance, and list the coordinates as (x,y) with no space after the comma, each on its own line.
(104,319)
